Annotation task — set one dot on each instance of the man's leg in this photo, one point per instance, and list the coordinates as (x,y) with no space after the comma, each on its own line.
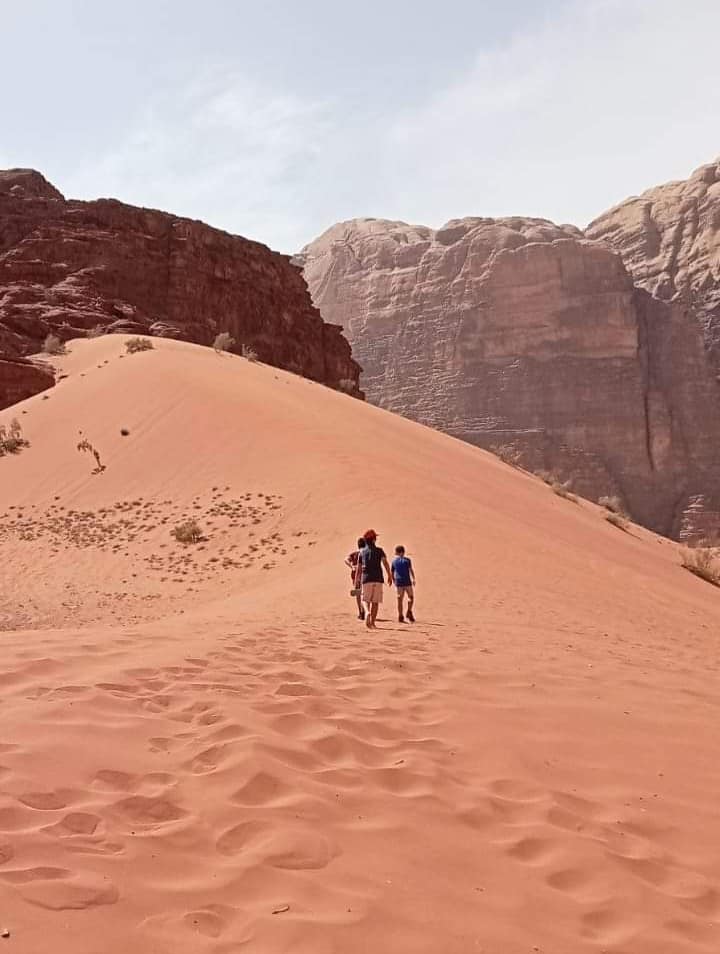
(361,611)
(374,607)
(411,602)
(401,618)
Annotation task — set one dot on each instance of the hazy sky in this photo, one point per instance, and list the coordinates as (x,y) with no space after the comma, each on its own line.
(275,119)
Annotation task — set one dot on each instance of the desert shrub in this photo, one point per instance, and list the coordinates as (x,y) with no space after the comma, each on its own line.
(613,504)
(187,532)
(563,490)
(546,477)
(133,345)
(95,332)
(86,447)
(347,385)
(508,453)
(53,345)
(11,439)
(618,520)
(703,562)
(224,341)
(249,353)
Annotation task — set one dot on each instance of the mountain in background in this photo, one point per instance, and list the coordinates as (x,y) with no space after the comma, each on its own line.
(590,355)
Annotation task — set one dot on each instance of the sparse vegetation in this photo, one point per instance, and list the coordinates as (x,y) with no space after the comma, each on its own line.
(223,342)
(563,490)
(347,385)
(618,520)
(546,477)
(249,353)
(613,504)
(508,453)
(703,562)
(85,445)
(133,345)
(11,439)
(53,345)
(96,332)
(188,532)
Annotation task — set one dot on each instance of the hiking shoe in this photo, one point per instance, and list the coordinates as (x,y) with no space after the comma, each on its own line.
(411,618)
(401,618)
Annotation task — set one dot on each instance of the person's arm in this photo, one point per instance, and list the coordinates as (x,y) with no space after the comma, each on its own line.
(349,562)
(388,570)
(412,573)
(358,572)
(392,571)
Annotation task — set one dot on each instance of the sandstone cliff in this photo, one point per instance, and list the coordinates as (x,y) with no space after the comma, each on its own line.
(520,333)
(67,267)
(669,240)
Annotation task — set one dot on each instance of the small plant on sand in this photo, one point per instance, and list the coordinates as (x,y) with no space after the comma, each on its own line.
(133,345)
(11,439)
(346,385)
(53,345)
(508,453)
(86,446)
(187,532)
(249,353)
(613,504)
(563,490)
(97,332)
(703,562)
(618,520)
(223,342)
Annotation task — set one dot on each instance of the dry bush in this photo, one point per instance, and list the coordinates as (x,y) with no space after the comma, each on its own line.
(508,453)
(546,477)
(703,562)
(11,439)
(133,345)
(224,341)
(618,520)
(346,385)
(97,332)
(563,490)
(187,532)
(53,345)
(613,504)
(249,353)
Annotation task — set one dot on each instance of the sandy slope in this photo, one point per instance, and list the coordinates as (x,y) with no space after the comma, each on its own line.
(193,739)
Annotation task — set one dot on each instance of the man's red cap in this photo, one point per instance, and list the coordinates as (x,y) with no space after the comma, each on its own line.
(370,535)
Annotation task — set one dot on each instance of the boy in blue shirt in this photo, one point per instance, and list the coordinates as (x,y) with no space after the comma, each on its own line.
(403,576)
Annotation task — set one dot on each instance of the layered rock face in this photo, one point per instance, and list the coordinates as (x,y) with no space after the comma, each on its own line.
(669,240)
(516,332)
(20,378)
(67,267)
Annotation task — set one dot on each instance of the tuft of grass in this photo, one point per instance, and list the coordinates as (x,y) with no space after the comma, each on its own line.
(346,385)
(53,345)
(11,439)
(703,562)
(133,345)
(249,353)
(187,532)
(613,504)
(97,332)
(618,520)
(223,342)
(508,454)
(563,490)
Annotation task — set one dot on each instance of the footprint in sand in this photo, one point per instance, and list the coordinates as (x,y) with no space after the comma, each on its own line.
(58,889)
(292,849)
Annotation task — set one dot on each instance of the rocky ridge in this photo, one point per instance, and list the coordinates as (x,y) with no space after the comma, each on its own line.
(529,338)
(70,267)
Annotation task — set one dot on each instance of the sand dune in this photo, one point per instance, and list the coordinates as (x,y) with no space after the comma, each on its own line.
(201,749)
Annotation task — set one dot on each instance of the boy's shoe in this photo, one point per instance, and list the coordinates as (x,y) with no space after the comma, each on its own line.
(401,618)
(361,614)
(411,618)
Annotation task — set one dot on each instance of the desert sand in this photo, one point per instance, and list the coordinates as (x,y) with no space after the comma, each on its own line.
(203,750)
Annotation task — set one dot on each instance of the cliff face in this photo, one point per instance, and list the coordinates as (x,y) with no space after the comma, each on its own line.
(20,378)
(68,266)
(669,240)
(520,334)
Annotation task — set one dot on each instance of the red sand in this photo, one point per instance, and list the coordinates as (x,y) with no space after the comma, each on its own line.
(202,750)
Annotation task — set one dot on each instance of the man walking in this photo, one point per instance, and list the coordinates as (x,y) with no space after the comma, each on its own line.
(403,576)
(371,561)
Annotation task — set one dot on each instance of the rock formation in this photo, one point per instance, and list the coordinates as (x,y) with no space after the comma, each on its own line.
(669,240)
(68,267)
(20,378)
(522,335)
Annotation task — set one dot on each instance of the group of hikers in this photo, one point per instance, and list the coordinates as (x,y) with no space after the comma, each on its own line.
(366,571)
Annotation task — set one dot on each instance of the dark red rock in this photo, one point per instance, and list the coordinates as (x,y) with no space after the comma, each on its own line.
(70,267)
(20,378)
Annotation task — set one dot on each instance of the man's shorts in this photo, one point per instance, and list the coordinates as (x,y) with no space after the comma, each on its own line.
(373,592)
(407,590)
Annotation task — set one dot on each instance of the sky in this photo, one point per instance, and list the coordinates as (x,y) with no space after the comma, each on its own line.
(277,119)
